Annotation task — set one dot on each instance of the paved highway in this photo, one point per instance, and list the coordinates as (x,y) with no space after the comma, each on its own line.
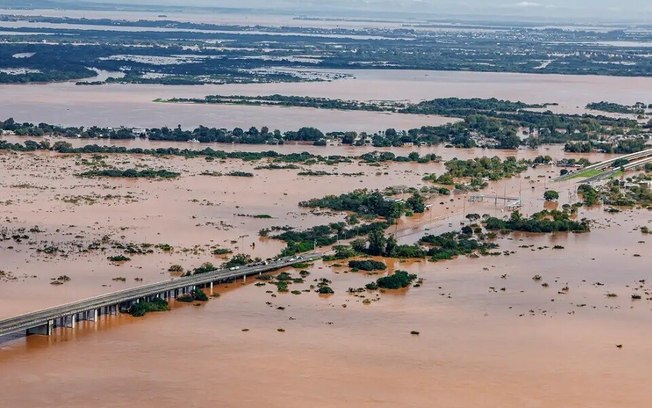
(43,317)
(627,166)
(605,164)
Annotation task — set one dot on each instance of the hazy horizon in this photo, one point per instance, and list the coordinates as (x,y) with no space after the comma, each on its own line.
(567,10)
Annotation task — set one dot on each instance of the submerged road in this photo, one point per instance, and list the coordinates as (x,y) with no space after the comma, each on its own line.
(43,321)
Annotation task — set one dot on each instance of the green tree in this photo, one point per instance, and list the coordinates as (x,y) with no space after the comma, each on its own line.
(551,195)
(473,217)
(309,134)
(239,260)
(390,245)
(416,203)
(359,245)
(377,242)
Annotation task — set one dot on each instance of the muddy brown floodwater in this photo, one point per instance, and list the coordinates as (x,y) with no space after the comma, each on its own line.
(489,335)
(132,105)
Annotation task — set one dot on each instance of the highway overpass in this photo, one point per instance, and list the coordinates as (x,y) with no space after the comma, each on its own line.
(635,159)
(44,321)
(628,166)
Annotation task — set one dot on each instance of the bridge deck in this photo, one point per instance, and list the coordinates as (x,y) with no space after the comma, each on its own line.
(636,157)
(42,317)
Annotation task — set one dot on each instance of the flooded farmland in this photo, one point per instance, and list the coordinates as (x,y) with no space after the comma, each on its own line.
(541,320)
(488,333)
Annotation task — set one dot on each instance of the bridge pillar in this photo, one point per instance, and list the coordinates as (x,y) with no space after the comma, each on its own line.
(43,330)
(211,288)
(73,321)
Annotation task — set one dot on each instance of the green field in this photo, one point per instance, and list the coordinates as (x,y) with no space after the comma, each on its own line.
(587,173)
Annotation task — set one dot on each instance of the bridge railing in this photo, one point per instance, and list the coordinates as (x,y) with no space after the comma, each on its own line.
(125,295)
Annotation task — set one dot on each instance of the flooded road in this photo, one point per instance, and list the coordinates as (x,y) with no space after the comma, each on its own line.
(195,213)
(489,335)
(525,346)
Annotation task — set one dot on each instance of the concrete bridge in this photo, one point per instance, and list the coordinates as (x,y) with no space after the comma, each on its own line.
(44,321)
(635,159)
